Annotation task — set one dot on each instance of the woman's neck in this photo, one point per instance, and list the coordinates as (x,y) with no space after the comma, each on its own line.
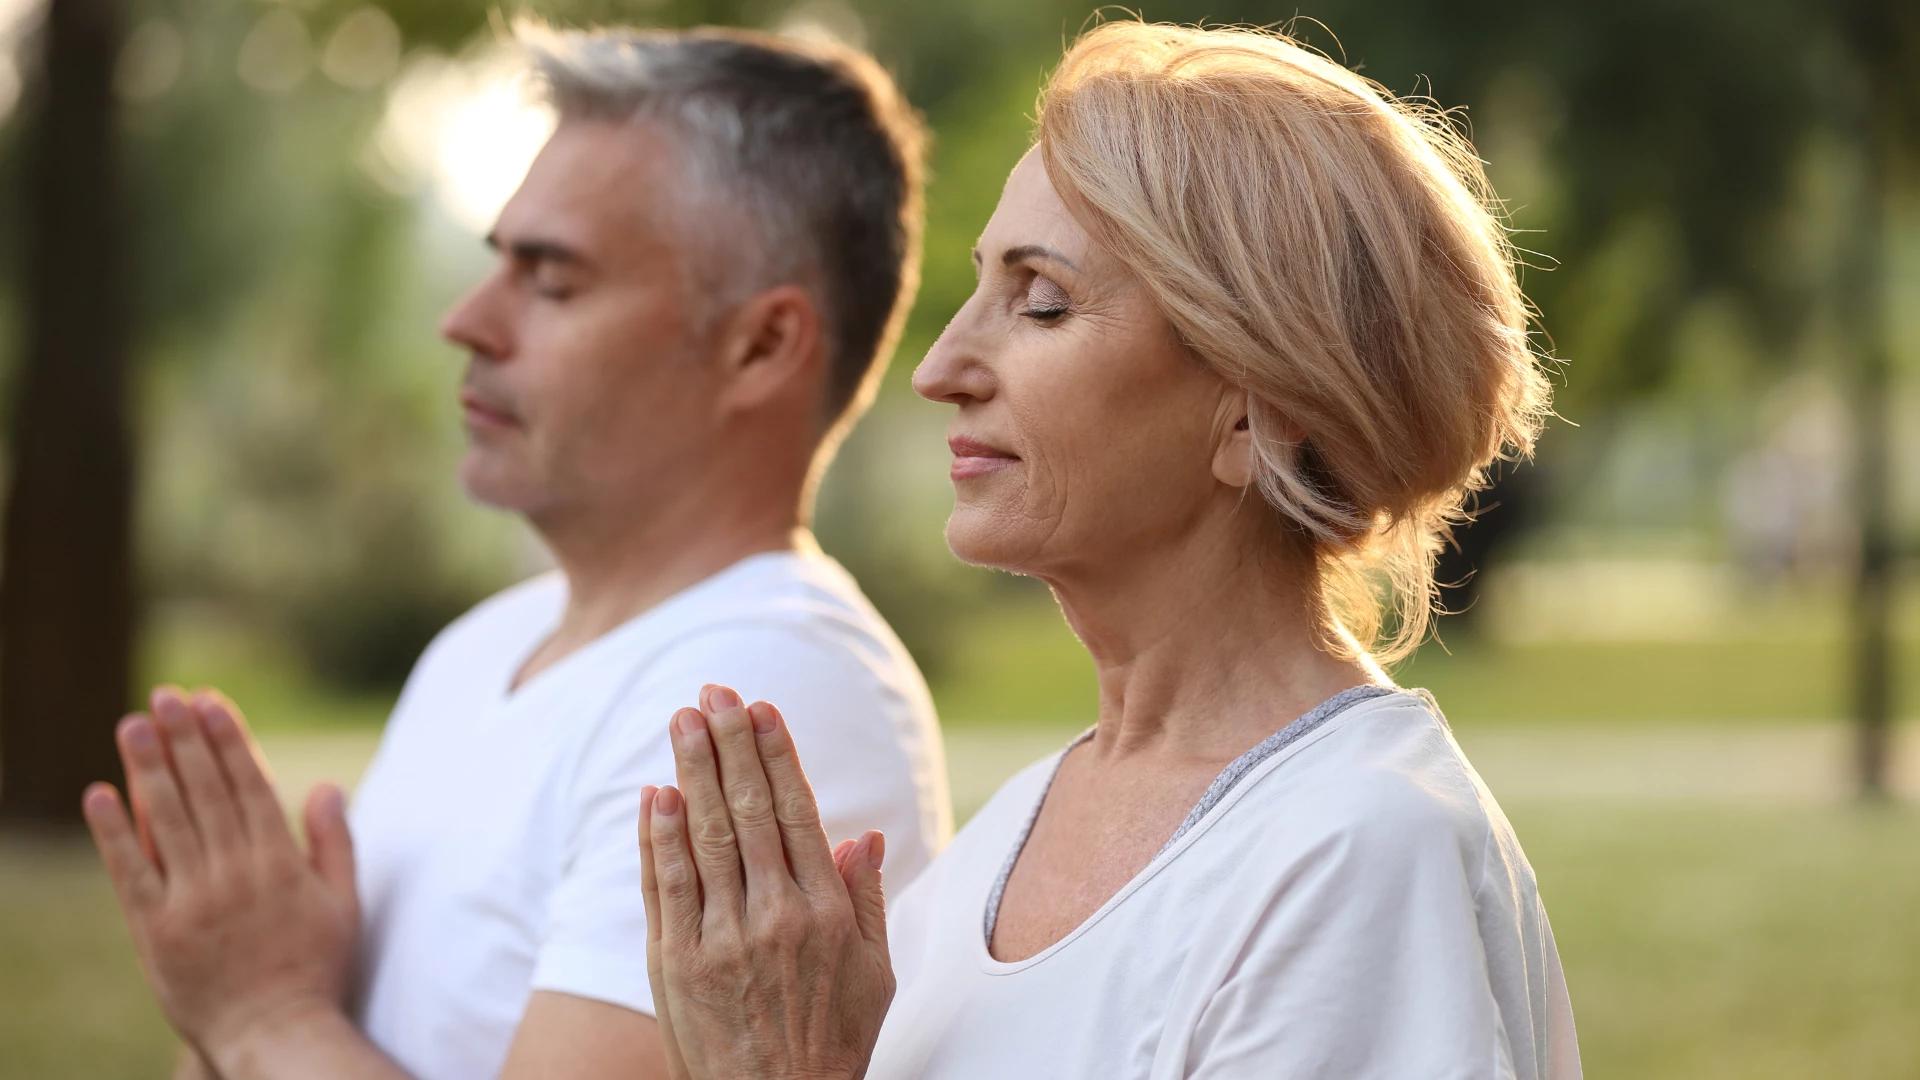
(1205,649)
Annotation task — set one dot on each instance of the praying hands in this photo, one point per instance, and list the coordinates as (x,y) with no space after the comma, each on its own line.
(247,940)
(767,948)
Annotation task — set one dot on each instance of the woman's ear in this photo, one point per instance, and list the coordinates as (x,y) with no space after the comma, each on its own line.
(1235,461)
(1233,456)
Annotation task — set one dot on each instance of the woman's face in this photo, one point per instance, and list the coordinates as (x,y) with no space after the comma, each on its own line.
(1087,437)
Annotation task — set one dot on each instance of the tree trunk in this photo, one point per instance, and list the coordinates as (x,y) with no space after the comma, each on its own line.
(1882,37)
(66,595)
(1873,608)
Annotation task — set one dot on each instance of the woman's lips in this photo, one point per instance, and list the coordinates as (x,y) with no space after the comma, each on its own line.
(971,458)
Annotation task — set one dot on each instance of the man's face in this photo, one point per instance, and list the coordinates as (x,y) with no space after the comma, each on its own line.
(586,387)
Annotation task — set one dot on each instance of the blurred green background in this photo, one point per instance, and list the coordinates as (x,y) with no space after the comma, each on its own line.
(1662,645)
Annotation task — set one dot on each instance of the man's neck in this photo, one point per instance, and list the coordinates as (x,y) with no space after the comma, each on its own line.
(617,569)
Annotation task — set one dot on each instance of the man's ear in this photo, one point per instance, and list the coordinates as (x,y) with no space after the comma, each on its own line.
(768,347)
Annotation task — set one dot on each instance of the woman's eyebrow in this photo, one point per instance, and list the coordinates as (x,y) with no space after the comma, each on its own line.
(1034,251)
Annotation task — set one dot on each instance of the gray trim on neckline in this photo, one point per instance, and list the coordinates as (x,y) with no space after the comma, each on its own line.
(1236,771)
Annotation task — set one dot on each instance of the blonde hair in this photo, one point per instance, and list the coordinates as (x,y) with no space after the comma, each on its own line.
(1332,251)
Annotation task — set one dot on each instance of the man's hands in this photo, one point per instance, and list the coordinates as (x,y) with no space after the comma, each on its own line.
(767,949)
(244,937)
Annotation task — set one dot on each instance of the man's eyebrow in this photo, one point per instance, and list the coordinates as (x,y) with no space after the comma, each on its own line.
(536,250)
(1034,251)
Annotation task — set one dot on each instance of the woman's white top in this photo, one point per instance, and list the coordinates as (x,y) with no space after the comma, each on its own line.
(1353,906)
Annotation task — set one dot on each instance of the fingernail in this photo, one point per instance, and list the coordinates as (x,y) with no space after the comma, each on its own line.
(666,802)
(139,734)
(219,722)
(332,799)
(172,714)
(877,850)
(688,721)
(762,715)
(722,698)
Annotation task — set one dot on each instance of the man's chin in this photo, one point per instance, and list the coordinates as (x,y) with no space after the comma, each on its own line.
(489,485)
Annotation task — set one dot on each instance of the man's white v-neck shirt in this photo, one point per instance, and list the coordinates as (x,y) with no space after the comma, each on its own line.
(1353,906)
(496,830)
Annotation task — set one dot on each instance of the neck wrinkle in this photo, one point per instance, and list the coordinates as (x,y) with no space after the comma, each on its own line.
(1202,651)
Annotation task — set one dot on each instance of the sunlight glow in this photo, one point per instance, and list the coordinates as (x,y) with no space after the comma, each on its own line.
(466,128)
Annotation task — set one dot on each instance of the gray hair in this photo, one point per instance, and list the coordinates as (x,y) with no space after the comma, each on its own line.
(809,142)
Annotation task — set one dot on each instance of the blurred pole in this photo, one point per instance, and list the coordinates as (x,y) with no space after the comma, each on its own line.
(1873,606)
(66,588)
(1866,311)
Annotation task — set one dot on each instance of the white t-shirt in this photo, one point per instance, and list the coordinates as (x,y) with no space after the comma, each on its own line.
(1355,908)
(496,830)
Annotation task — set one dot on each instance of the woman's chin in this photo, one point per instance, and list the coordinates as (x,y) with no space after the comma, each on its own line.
(978,539)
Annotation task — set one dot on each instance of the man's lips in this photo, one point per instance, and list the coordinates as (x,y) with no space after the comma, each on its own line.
(972,458)
(482,413)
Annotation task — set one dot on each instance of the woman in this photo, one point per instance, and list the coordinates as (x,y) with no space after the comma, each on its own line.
(1245,333)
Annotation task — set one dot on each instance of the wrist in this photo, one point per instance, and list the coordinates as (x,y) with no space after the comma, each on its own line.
(247,1049)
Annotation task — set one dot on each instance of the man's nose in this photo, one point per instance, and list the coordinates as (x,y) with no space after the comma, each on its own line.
(478,323)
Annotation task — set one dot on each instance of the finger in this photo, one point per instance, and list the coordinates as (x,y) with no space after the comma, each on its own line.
(240,760)
(656,958)
(749,799)
(793,803)
(677,878)
(142,820)
(861,873)
(156,794)
(202,784)
(716,853)
(136,880)
(330,841)
(649,886)
(649,882)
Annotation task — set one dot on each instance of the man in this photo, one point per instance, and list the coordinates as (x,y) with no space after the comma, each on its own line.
(698,284)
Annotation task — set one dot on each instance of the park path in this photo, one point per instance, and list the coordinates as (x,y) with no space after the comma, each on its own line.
(1764,764)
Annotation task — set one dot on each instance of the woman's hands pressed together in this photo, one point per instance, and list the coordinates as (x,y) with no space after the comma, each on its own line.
(767,948)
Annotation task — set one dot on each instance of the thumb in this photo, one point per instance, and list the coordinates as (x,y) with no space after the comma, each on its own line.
(329,842)
(860,869)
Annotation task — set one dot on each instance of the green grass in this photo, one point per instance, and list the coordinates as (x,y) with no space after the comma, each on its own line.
(1753,944)
(1699,943)
(73,1005)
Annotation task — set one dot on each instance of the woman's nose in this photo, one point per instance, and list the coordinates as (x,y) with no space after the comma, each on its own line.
(953,370)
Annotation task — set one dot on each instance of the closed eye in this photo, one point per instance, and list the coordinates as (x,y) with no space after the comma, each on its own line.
(1046,300)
